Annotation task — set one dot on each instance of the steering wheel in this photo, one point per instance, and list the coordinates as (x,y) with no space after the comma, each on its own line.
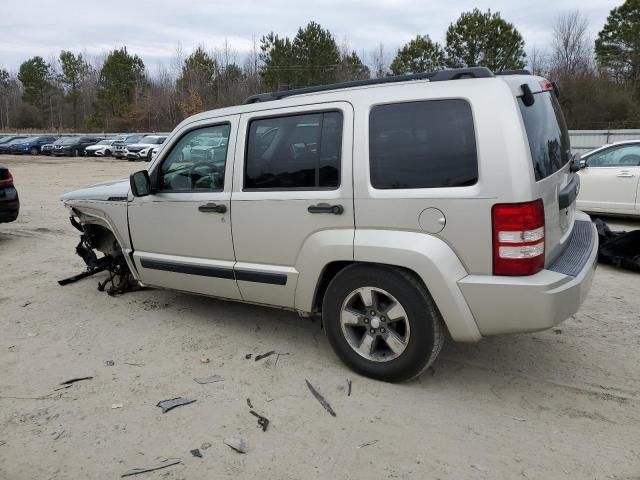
(631,160)
(200,169)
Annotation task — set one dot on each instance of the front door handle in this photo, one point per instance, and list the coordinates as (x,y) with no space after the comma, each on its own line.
(625,175)
(326,208)
(212,208)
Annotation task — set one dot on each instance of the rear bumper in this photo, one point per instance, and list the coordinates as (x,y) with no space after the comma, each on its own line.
(9,204)
(537,302)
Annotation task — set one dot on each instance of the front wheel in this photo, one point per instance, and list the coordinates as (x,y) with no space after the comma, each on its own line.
(76,152)
(382,322)
(33,151)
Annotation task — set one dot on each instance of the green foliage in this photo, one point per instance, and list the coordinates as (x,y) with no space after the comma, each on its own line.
(120,83)
(279,69)
(618,43)
(5,79)
(35,76)
(419,55)
(484,39)
(197,79)
(311,58)
(74,71)
(352,68)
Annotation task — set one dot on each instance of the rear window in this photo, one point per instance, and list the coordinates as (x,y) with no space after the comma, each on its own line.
(547,134)
(426,144)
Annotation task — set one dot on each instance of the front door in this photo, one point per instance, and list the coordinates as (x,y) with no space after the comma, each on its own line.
(609,183)
(292,196)
(181,233)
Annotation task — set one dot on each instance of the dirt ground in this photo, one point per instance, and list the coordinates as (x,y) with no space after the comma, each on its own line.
(554,405)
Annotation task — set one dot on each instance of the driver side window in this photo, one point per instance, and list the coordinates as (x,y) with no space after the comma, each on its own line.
(197,162)
(623,156)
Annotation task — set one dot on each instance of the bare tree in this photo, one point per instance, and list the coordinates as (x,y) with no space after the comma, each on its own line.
(571,51)
(538,61)
(380,64)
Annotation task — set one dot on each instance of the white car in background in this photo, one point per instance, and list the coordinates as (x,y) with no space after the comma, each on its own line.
(609,179)
(101,149)
(143,150)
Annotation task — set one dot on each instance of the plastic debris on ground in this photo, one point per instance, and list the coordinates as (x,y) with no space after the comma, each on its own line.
(172,403)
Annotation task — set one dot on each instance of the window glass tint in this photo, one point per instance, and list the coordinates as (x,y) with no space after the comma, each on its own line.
(422,145)
(197,162)
(300,151)
(547,134)
(624,156)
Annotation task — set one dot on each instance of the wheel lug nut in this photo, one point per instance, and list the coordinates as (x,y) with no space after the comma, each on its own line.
(373,330)
(373,314)
(382,319)
(366,320)
(382,330)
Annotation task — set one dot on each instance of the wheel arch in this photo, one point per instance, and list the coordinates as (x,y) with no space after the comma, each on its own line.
(427,257)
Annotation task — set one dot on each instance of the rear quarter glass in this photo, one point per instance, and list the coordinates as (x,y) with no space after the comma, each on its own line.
(547,134)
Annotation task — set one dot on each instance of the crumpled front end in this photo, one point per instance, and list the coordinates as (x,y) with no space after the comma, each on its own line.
(100,214)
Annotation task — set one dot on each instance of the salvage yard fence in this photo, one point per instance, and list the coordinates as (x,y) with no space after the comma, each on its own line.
(584,140)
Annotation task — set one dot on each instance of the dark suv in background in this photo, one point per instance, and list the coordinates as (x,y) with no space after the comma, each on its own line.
(9,202)
(31,145)
(73,146)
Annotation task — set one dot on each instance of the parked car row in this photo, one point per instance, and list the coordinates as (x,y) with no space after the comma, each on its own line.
(130,146)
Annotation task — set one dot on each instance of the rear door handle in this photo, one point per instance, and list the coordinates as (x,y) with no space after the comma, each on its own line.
(326,208)
(625,175)
(212,208)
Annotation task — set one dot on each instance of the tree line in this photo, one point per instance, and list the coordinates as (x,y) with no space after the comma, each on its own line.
(599,80)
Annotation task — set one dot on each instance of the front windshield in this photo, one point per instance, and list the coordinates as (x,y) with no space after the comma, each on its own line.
(17,140)
(150,140)
(65,141)
(105,142)
(135,139)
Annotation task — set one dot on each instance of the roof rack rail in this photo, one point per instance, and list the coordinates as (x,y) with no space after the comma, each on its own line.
(514,72)
(438,76)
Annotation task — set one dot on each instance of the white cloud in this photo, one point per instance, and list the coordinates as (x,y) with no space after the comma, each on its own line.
(154,29)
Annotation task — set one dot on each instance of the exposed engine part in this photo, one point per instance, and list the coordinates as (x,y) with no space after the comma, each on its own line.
(94,237)
(120,279)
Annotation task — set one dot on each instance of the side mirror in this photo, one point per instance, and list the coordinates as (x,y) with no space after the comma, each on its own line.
(583,163)
(140,183)
(577,163)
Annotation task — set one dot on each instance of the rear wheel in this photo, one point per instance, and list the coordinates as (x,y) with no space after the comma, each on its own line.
(382,322)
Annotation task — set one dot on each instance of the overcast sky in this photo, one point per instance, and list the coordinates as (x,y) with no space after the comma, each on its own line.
(154,29)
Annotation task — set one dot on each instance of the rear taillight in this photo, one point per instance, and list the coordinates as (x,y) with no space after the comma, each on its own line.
(518,238)
(6,180)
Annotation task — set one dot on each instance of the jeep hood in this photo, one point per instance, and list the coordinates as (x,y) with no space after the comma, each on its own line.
(100,191)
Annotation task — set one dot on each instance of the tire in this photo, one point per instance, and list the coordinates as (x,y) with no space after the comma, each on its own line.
(149,156)
(75,153)
(33,151)
(417,323)
(107,153)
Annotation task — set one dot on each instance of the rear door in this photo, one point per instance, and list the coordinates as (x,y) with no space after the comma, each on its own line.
(548,140)
(610,180)
(292,187)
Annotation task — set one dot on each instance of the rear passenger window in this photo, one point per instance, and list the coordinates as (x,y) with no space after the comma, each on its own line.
(425,144)
(294,152)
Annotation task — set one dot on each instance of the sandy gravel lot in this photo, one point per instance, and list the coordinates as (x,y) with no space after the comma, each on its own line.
(552,405)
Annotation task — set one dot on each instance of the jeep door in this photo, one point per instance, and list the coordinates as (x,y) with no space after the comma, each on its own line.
(292,200)
(181,233)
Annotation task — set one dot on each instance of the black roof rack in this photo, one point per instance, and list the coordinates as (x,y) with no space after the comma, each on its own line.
(514,72)
(440,76)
